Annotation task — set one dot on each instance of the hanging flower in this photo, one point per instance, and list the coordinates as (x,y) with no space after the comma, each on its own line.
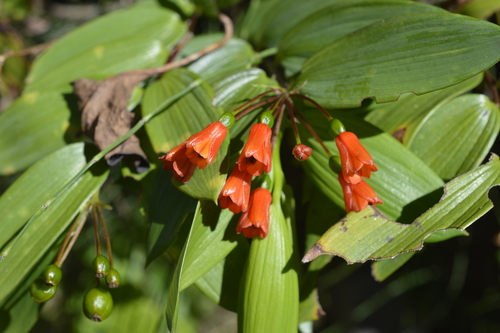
(236,191)
(302,152)
(179,163)
(256,155)
(355,159)
(357,196)
(255,221)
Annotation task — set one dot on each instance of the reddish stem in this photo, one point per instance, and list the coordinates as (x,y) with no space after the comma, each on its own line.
(255,106)
(313,132)
(325,113)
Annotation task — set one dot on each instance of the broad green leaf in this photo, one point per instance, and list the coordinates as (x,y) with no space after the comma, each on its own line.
(403,182)
(269,294)
(37,237)
(415,53)
(335,21)
(222,282)
(402,117)
(88,52)
(457,136)
(166,209)
(481,9)
(221,62)
(21,316)
(189,115)
(35,125)
(211,238)
(464,201)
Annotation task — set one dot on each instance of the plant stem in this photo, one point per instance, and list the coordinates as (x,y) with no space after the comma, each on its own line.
(255,106)
(106,236)
(313,132)
(81,222)
(291,115)
(96,230)
(325,113)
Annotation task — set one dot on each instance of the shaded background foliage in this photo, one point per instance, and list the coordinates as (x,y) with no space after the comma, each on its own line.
(448,286)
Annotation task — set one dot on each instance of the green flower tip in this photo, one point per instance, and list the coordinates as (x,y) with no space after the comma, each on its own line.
(267,118)
(227,119)
(335,165)
(336,127)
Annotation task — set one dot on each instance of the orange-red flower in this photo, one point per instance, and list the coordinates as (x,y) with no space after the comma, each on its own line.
(199,150)
(302,152)
(355,159)
(357,196)
(256,155)
(255,221)
(236,191)
(182,166)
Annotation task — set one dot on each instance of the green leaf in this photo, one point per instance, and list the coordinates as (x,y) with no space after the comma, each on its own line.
(27,195)
(457,136)
(189,115)
(403,181)
(88,52)
(382,269)
(402,117)
(269,294)
(481,9)
(335,21)
(21,316)
(465,200)
(35,125)
(416,53)
(211,238)
(166,209)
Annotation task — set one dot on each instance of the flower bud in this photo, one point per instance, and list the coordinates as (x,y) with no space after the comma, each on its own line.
(40,292)
(336,127)
(101,266)
(267,118)
(97,304)
(227,119)
(113,278)
(302,152)
(52,275)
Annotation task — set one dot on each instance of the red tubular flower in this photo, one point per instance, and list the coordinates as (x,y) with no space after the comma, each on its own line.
(302,152)
(356,161)
(203,146)
(236,191)
(357,196)
(255,221)
(256,155)
(182,166)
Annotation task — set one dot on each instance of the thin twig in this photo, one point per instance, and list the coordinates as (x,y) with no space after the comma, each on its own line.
(96,230)
(291,115)
(255,106)
(313,132)
(277,126)
(106,236)
(327,115)
(81,222)
(29,50)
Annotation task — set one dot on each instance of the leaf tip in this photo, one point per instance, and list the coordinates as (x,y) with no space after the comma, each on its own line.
(313,253)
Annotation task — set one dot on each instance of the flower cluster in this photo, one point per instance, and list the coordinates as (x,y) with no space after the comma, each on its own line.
(356,163)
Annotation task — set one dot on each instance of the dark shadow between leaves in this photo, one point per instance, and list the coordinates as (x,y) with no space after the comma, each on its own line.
(419,206)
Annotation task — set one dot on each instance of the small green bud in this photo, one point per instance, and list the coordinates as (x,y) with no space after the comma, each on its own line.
(227,119)
(97,304)
(113,278)
(267,118)
(336,127)
(335,164)
(41,292)
(101,266)
(52,275)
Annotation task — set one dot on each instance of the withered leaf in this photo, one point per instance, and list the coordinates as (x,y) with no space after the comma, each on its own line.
(105,117)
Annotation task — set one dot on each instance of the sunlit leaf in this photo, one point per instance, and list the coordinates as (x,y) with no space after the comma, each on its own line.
(481,9)
(415,53)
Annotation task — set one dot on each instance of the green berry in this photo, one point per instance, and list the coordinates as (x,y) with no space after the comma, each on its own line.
(97,304)
(101,266)
(41,292)
(52,275)
(267,118)
(113,278)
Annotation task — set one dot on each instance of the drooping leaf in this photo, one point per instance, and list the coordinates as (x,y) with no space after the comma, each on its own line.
(465,200)
(211,238)
(35,125)
(457,136)
(90,53)
(189,115)
(402,117)
(416,53)
(37,237)
(481,9)
(335,21)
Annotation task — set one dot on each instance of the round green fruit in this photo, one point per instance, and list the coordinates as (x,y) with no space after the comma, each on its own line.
(41,292)
(101,266)
(113,278)
(52,275)
(97,304)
